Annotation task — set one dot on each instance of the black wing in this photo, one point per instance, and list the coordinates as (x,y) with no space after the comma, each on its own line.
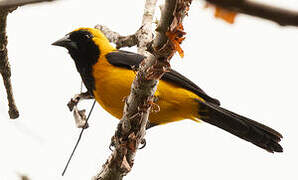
(127,59)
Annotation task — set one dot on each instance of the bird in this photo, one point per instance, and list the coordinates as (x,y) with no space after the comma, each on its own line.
(108,74)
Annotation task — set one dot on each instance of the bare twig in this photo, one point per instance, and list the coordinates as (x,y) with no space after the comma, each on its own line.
(12,3)
(24,177)
(114,37)
(281,16)
(144,34)
(7,6)
(131,129)
(4,63)
(80,118)
(79,138)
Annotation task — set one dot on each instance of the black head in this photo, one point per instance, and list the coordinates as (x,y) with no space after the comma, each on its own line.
(83,50)
(81,46)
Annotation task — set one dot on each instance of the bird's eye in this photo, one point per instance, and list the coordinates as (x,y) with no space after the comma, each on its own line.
(87,36)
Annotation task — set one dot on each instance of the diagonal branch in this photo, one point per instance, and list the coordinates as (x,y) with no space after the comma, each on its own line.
(281,16)
(131,129)
(7,6)
(4,63)
(12,3)
(114,37)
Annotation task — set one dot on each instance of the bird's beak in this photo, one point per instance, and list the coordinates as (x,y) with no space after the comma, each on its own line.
(65,42)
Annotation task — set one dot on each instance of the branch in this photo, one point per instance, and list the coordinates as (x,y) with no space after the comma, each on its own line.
(7,6)
(281,16)
(4,63)
(144,34)
(131,129)
(141,38)
(24,177)
(114,37)
(13,3)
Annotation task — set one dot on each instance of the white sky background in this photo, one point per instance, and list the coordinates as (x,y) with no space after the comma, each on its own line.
(250,66)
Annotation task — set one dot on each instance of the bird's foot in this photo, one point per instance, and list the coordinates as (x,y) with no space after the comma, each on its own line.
(143,143)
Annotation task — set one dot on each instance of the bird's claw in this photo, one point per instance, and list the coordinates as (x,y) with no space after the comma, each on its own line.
(111,146)
(143,143)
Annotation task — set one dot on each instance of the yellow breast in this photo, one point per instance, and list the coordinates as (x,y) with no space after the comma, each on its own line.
(112,85)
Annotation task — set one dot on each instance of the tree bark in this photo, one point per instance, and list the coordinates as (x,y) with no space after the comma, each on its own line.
(14,3)
(4,63)
(281,16)
(114,37)
(131,129)
(6,7)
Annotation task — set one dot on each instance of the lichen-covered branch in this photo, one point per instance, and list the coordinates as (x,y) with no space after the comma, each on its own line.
(281,16)
(131,129)
(14,3)
(4,63)
(145,34)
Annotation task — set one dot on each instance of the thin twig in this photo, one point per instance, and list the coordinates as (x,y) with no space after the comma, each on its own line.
(7,6)
(79,139)
(24,177)
(114,37)
(281,16)
(4,63)
(13,3)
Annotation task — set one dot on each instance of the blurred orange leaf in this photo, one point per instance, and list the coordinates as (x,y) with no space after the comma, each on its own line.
(226,15)
(176,37)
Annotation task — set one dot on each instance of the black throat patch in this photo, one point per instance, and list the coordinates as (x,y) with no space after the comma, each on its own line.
(85,56)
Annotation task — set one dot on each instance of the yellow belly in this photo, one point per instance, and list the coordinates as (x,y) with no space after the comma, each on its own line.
(112,84)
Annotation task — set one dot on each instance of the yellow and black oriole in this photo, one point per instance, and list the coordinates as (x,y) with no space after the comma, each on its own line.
(107,73)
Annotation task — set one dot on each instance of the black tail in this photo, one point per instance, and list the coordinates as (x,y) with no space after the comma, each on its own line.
(245,128)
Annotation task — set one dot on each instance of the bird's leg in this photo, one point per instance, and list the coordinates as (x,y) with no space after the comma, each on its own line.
(77,98)
(79,115)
